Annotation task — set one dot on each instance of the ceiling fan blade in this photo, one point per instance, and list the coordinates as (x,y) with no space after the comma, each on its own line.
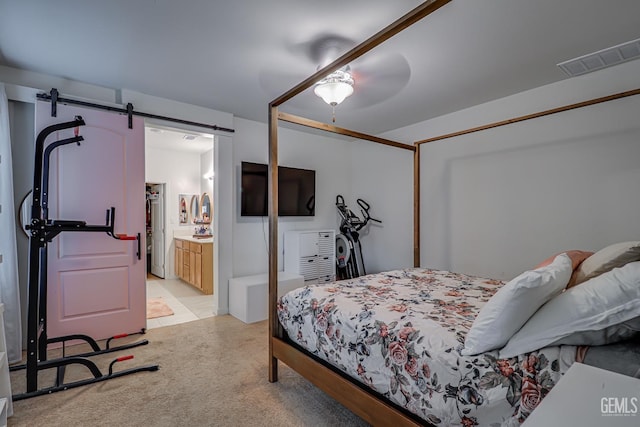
(378,78)
(323,48)
(277,82)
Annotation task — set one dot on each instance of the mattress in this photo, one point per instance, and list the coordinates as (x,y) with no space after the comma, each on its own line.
(400,333)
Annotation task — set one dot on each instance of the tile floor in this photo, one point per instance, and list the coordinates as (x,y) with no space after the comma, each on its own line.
(187,303)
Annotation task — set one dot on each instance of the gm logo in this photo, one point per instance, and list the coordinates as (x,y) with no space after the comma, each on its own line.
(619,406)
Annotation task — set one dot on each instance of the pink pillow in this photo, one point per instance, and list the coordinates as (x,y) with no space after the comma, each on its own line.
(576,258)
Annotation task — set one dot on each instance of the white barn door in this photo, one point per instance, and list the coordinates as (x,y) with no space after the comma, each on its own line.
(96,284)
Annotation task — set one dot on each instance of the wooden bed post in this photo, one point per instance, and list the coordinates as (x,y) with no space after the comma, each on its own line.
(273,239)
(361,402)
(416,206)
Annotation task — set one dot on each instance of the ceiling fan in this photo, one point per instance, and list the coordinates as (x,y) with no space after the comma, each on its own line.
(371,79)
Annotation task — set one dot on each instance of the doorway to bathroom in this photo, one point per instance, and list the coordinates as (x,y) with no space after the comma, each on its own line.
(154,213)
(179,212)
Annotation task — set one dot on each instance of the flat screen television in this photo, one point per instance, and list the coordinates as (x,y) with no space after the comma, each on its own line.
(296,190)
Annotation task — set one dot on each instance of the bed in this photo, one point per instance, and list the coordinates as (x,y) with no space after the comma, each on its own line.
(400,333)
(419,337)
(455,349)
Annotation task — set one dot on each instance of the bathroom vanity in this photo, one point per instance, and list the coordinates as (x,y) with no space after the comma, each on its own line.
(194,262)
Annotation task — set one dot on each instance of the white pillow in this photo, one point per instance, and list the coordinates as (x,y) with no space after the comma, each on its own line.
(514,303)
(595,305)
(606,259)
(609,335)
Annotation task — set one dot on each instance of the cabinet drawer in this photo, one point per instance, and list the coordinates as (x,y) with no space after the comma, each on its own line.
(326,243)
(325,266)
(195,247)
(309,267)
(179,243)
(326,279)
(308,244)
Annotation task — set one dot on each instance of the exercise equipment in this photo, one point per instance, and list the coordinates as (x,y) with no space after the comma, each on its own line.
(349,259)
(42,231)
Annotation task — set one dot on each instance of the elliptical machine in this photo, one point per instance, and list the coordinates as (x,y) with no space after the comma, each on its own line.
(350,263)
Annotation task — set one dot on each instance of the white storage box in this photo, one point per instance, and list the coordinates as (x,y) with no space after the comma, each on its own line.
(311,253)
(249,295)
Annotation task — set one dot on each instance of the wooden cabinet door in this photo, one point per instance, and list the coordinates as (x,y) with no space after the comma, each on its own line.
(192,267)
(207,268)
(197,280)
(186,270)
(179,261)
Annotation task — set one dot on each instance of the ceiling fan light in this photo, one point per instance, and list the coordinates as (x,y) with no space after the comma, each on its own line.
(335,88)
(333,93)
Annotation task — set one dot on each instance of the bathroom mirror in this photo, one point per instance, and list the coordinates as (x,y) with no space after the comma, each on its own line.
(195,208)
(207,213)
(183,214)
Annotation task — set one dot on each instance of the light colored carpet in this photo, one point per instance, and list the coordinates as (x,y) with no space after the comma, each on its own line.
(156,307)
(213,372)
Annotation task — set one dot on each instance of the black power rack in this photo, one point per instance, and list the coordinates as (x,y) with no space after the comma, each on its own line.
(42,231)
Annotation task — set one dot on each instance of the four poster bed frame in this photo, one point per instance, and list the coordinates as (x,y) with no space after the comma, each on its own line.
(365,403)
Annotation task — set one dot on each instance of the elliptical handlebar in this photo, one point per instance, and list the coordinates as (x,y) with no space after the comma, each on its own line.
(349,259)
(349,219)
(364,208)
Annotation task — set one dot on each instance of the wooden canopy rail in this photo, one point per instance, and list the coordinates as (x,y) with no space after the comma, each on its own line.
(338,130)
(532,116)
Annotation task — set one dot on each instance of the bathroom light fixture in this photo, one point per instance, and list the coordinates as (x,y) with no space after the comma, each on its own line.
(335,88)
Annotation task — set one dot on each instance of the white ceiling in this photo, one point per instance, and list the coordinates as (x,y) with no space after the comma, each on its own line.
(168,139)
(236,56)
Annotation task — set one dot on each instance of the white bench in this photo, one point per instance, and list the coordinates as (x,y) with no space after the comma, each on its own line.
(249,295)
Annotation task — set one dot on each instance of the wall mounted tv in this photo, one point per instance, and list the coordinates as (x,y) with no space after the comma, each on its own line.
(296,190)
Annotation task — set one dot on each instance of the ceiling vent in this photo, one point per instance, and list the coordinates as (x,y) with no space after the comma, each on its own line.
(189,137)
(603,58)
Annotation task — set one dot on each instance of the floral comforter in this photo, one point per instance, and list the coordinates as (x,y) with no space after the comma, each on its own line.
(401,333)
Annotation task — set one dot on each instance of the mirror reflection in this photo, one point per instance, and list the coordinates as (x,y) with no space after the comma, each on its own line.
(206,208)
(195,208)
(183,214)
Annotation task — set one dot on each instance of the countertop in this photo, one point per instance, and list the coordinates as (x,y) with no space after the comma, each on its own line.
(194,239)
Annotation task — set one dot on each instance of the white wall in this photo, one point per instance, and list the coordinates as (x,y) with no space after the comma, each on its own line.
(383,177)
(380,175)
(181,172)
(22,127)
(329,157)
(495,203)
(223,221)
(206,166)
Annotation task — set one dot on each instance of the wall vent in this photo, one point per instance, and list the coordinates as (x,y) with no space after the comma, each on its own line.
(603,58)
